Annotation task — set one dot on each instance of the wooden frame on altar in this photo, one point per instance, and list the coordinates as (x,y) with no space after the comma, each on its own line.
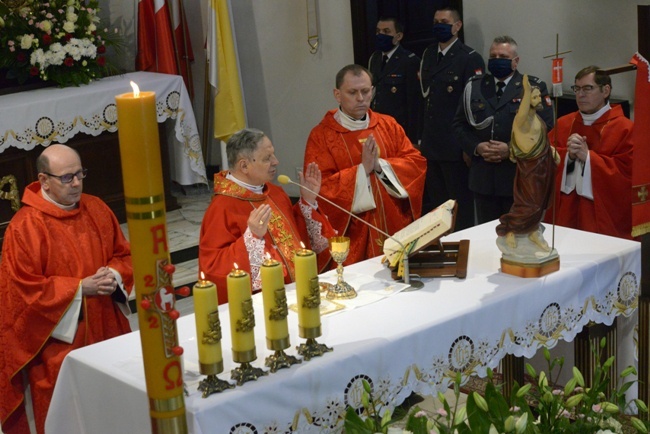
(438,258)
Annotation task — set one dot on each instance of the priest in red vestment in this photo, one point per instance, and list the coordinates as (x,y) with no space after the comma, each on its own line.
(594,178)
(65,268)
(250,217)
(369,167)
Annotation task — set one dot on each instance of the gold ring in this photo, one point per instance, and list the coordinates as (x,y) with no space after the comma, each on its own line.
(261,222)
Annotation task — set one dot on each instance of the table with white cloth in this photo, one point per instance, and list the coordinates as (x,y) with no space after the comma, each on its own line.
(405,342)
(55,115)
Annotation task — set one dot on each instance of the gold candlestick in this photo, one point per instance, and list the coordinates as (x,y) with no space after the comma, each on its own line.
(275,315)
(208,337)
(339,249)
(242,326)
(308,298)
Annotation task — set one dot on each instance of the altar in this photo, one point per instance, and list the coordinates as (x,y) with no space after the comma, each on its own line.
(409,342)
(85,118)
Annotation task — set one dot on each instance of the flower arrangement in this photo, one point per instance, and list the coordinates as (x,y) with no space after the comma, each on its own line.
(538,407)
(55,40)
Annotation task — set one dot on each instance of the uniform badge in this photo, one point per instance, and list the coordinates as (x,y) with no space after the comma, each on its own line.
(518,83)
(450,89)
(481,106)
(548,100)
(393,89)
(455,78)
(478,71)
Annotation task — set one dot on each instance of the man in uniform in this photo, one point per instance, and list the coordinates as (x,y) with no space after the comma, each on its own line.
(395,77)
(483,125)
(445,69)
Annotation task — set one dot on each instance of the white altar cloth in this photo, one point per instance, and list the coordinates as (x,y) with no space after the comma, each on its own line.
(411,341)
(49,115)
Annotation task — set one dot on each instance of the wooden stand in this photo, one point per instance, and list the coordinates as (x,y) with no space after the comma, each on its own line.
(438,259)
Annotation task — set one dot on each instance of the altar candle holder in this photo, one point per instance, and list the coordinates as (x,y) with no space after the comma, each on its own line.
(275,315)
(308,299)
(242,325)
(208,336)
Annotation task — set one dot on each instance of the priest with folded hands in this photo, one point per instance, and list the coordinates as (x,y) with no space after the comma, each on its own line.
(250,217)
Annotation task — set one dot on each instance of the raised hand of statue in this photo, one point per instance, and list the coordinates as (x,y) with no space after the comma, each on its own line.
(312,180)
(370,155)
(258,220)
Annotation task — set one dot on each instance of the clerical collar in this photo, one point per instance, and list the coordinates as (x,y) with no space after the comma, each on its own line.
(257,189)
(350,123)
(590,118)
(60,205)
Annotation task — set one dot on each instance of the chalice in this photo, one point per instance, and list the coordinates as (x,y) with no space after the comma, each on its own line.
(339,249)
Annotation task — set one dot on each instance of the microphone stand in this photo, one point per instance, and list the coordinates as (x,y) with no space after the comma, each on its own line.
(415,284)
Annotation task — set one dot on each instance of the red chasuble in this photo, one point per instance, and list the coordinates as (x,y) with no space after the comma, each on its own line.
(337,151)
(610,152)
(221,241)
(45,254)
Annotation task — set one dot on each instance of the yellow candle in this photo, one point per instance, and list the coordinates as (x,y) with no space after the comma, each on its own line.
(242,318)
(145,211)
(208,326)
(275,305)
(307,293)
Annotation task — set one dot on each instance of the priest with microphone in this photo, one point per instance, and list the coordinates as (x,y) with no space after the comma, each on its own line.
(370,168)
(250,217)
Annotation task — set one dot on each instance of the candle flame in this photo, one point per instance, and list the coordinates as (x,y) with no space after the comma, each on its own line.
(267,255)
(302,245)
(202,275)
(136,89)
(235,266)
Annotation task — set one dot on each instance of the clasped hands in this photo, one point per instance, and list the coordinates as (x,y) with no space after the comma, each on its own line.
(370,155)
(577,147)
(103,282)
(493,151)
(258,220)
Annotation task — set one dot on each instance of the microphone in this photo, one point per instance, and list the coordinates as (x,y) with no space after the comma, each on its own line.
(416,284)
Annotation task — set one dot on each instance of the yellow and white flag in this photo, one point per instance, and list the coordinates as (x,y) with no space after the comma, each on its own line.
(229,116)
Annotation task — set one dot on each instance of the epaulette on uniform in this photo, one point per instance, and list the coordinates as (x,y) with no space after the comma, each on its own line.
(467,49)
(476,77)
(411,55)
(532,78)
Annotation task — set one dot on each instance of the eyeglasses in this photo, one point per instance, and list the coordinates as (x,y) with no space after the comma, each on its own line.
(584,89)
(68,177)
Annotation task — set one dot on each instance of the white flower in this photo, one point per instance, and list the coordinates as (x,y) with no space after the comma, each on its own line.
(72,17)
(26,42)
(92,27)
(46,25)
(69,27)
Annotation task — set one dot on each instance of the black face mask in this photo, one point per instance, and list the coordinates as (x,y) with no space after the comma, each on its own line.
(500,68)
(384,42)
(442,32)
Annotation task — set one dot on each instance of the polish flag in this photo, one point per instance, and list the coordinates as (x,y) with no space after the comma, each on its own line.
(155,41)
(183,42)
(641,140)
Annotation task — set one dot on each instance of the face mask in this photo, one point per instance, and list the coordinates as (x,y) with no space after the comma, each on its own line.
(500,68)
(442,32)
(384,42)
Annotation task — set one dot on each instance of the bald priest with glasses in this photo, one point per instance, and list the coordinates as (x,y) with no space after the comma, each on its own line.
(594,178)
(65,275)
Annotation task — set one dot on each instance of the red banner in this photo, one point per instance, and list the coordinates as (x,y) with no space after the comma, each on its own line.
(557,70)
(641,140)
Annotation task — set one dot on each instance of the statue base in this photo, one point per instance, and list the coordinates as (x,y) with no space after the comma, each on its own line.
(521,269)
